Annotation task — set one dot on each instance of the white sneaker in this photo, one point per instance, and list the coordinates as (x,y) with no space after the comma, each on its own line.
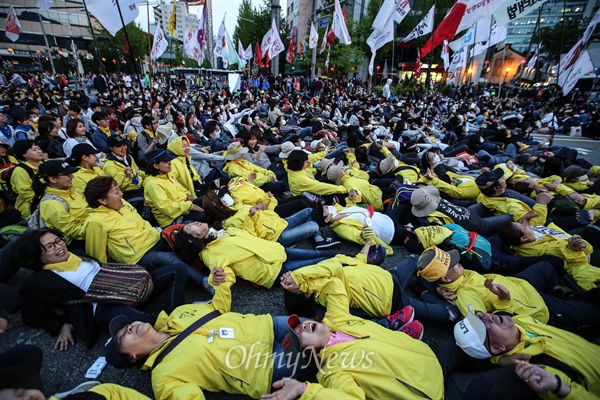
(83,387)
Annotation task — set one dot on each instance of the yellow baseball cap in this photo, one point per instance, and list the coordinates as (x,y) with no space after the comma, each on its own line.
(435,263)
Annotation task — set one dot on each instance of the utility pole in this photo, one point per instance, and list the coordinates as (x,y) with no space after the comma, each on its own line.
(313,58)
(275,13)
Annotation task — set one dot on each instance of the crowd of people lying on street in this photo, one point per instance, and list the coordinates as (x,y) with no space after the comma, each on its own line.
(114,200)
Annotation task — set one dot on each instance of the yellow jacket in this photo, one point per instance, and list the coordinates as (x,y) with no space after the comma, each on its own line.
(84,175)
(313,158)
(592,201)
(351,229)
(116,169)
(367,193)
(303,181)
(21,183)
(524,299)
(195,365)
(538,338)
(167,199)
(243,192)
(369,287)
(55,215)
(244,168)
(411,174)
(263,224)
(578,186)
(465,187)
(355,165)
(554,243)
(182,169)
(123,234)
(514,207)
(111,391)
(251,258)
(374,372)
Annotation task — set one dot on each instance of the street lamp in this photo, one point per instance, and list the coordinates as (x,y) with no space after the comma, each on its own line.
(506,73)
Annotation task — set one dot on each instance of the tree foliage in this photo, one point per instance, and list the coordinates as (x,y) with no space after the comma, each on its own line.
(112,47)
(555,42)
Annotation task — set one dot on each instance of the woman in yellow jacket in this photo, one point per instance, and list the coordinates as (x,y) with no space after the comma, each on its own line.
(300,180)
(237,166)
(182,169)
(167,199)
(61,205)
(365,192)
(114,229)
(254,259)
(264,223)
(84,156)
(122,167)
(21,178)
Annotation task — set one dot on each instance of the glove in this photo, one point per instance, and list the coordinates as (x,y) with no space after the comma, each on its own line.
(366,233)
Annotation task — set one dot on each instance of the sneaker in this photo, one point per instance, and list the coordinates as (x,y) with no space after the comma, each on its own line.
(415,330)
(325,243)
(376,255)
(81,388)
(207,286)
(401,318)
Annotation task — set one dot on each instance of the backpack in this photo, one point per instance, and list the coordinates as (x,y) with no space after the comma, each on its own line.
(402,194)
(36,221)
(10,231)
(479,254)
(9,194)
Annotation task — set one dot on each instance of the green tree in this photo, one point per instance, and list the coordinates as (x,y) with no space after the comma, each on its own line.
(111,48)
(555,42)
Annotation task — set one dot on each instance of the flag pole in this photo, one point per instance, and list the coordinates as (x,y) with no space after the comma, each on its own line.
(429,85)
(98,54)
(149,45)
(46,40)
(135,67)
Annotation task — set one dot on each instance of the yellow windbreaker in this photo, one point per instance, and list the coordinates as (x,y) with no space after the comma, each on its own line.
(411,174)
(182,169)
(251,258)
(355,165)
(122,235)
(367,193)
(263,224)
(304,181)
(242,365)
(243,192)
(524,299)
(465,187)
(351,229)
(84,175)
(578,186)
(514,207)
(553,242)
(21,183)
(368,368)
(167,199)
(569,348)
(55,215)
(243,168)
(369,287)
(117,171)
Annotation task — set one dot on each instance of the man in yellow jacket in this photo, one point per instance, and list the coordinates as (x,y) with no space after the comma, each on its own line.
(235,353)
(570,363)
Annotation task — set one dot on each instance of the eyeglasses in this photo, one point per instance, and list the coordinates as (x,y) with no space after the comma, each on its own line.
(49,247)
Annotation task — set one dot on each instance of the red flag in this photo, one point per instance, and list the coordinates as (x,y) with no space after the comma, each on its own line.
(267,62)
(125,46)
(258,55)
(446,29)
(290,53)
(418,64)
(330,36)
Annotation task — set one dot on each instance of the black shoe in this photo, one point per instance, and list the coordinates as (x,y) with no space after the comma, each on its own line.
(326,243)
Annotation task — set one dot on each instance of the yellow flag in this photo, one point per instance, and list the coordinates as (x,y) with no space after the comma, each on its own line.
(173,20)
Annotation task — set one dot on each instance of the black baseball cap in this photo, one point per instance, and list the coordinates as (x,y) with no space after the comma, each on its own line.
(489,178)
(158,155)
(111,349)
(56,168)
(83,149)
(116,141)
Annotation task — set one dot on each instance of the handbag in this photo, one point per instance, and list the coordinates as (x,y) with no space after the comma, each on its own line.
(186,332)
(120,283)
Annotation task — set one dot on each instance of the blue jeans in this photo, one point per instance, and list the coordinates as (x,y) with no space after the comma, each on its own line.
(519,196)
(298,258)
(300,227)
(424,312)
(566,314)
(155,258)
(339,150)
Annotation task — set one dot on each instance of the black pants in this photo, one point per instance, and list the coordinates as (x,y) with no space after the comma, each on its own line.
(291,205)
(23,355)
(10,299)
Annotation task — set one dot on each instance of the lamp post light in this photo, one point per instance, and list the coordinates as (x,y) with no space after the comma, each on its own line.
(486,68)
(505,75)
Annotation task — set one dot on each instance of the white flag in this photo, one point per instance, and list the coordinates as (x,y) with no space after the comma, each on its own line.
(498,34)
(571,57)
(531,63)
(107,13)
(446,55)
(581,68)
(479,48)
(459,60)
(377,39)
(423,28)
(271,43)
(469,37)
(160,43)
(590,29)
(512,9)
(339,25)
(324,41)
(314,37)
(391,9)
(44,4)
(192,47)
(248,52)
(241,51)
(13,27)
(476,10)
(221,49)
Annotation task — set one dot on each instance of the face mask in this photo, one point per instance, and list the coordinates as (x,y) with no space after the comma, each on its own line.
(481,140)
(332,211)
(583,178)
(213,233)
(302,144)
(396,163)
(218,134)
(436,159)
(127,105)
(227,199)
